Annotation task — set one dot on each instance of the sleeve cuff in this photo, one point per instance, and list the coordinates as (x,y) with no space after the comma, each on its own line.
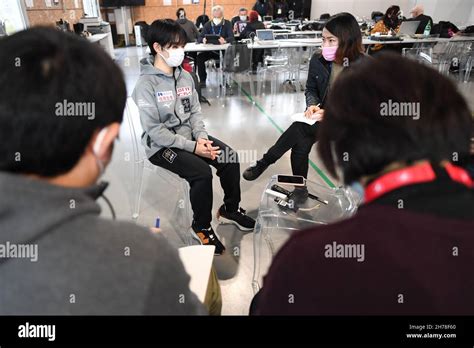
(202,135)
(190,146)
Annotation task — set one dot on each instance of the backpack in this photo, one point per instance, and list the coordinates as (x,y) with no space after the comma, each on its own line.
(443,29)
(237,58)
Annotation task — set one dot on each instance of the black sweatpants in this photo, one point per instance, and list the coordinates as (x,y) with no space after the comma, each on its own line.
(196,171)
(299,137)
(202,58)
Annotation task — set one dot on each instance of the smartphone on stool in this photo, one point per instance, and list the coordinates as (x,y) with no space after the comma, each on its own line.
(293,180)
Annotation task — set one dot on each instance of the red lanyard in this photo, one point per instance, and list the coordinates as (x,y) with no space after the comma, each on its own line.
(412,175)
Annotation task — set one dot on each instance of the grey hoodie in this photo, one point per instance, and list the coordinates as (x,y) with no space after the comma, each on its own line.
(170,112)
(85,265)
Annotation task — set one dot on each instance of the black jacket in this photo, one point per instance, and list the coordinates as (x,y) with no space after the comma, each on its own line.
(224,29)
(251,28)
(318,81)
(423,22)
(317,85)
(261,8)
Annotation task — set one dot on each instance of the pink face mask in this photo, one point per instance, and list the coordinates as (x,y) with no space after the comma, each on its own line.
(329,53)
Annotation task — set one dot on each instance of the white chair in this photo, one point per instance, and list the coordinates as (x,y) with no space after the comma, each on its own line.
(455,59)
(172,192)
(275,225)
(422,54)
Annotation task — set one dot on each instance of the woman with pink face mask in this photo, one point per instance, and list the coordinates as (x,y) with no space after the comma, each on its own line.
(342,46)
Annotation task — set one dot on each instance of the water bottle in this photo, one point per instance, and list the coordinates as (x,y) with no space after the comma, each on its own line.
(427,31)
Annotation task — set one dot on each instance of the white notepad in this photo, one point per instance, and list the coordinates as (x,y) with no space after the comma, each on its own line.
(197,261)
(299,117)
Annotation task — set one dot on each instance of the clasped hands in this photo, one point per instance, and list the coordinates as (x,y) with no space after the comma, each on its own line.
(205,149)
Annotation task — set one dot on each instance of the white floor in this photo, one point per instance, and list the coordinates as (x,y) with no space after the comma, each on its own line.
(247,123)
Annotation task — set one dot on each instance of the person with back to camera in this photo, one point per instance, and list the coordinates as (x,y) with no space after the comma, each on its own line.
(60,114)
(408,249)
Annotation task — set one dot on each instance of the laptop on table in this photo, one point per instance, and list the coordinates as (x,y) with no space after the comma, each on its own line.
(408,28)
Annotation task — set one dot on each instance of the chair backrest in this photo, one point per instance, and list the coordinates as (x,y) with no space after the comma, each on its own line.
(421,54)
(134,128)
(237,58)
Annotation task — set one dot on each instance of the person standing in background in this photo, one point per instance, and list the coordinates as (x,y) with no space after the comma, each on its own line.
(280,10)
(192,32)
(262,8)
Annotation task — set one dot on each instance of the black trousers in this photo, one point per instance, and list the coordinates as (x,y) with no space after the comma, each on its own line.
(202,58)
(197,172)
(299,137)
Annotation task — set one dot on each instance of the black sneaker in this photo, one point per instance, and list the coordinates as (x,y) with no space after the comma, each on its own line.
(238,218)
(252,173)
(203,85)
(209,237)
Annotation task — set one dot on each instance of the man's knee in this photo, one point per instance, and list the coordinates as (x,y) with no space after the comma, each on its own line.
(204,173)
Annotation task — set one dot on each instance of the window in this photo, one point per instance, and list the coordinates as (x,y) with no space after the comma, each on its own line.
(12,16)
(91,8)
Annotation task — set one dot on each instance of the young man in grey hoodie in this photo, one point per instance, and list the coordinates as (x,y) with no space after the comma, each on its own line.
(175,137)
(61,105)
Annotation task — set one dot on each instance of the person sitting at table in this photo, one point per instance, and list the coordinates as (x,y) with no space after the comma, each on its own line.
(250,32)
(408,250)
(417,14)
(342,47)
(175,137)
(389,24)
(241,17)
(217,26)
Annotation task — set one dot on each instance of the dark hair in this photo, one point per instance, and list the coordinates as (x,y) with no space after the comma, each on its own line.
(40,68)
(345,27)
(365,141)
(390,19)
(178,13)
(166,32)
(325,16)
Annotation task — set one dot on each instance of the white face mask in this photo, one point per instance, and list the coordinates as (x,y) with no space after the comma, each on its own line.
(217,21)
(176,57)
(243,18)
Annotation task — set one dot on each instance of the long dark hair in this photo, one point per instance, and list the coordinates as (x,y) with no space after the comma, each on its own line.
(345,27)
(390,19)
